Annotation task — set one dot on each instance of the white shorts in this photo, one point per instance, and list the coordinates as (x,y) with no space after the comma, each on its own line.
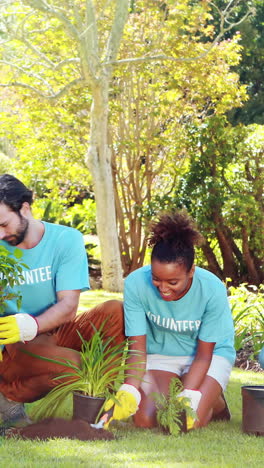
(220,368)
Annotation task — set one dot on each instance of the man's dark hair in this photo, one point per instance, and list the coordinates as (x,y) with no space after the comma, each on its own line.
(14,193)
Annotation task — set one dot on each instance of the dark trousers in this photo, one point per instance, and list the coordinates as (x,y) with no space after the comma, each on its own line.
(25,378)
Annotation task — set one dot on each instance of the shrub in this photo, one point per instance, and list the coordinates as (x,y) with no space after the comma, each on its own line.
(247,305)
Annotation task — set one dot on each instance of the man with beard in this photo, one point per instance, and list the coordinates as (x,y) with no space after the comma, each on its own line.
(46,324)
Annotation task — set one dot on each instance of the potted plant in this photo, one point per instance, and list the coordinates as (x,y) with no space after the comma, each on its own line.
(102,371)
(172,410)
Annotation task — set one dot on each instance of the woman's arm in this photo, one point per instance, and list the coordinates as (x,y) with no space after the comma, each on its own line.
(200,365)
(137,359)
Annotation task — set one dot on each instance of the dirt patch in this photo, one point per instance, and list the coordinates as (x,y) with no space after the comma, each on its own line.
(61,428)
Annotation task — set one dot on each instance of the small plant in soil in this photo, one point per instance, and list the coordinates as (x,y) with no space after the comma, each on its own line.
(171,409)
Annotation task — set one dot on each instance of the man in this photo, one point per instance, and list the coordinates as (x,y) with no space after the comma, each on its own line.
(45,324)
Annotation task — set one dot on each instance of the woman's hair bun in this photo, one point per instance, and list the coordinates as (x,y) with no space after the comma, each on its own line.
(175,228)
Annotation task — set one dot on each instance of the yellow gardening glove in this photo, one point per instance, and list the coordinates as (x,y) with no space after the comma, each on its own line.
(128,398)
(194,397)
(19,327)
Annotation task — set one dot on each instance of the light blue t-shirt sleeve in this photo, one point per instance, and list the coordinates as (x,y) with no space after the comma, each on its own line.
(57,263)
(72,270)
(217,318)
(135,318)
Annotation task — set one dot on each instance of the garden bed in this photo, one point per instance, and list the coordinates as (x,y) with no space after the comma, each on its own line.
(61,428)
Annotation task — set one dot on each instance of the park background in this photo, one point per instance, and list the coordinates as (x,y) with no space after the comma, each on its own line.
(112,111)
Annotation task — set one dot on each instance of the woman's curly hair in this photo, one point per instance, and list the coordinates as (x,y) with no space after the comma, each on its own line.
(173,238)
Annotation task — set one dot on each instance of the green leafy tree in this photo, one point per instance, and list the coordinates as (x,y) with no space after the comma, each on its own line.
(150,107)
(51,48)
(223,190)
(250,68)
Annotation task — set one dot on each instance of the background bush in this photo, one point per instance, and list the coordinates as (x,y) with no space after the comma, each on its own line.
(247,305)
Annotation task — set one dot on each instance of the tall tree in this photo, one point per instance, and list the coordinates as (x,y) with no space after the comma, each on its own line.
(51,47)
(223,190)
(251,66)
(149,110)
(76,60)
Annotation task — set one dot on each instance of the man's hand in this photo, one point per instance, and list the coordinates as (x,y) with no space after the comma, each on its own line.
(126,404)
(19,327)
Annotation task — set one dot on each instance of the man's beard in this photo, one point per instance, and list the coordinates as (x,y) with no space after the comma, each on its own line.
(19,236)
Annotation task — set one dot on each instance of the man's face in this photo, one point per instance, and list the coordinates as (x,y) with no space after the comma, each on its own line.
(13,226)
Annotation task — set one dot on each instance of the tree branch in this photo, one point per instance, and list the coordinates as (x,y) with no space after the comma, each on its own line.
(224,15)
(226,181)
(54,95)
(66,62)
(121,14)
(40,5)
(26,72)
(36,51)
(89,42)
(91,32)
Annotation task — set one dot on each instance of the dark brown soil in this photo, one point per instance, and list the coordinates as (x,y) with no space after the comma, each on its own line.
(61,428)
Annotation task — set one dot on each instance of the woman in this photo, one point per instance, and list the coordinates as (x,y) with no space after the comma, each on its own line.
(178,318)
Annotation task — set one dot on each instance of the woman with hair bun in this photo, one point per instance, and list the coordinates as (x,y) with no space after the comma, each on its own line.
(178,318)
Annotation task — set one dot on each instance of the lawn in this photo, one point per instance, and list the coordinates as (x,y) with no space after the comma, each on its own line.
(219,445)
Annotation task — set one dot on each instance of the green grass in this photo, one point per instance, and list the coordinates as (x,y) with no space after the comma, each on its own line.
(92,298)
(219,445)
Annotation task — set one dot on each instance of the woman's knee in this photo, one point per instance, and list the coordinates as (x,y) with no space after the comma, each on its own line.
(146,415)
(145,420)
(203,419)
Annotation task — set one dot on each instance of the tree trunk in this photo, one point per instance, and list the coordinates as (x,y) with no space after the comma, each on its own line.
(213,264)
(253,277)
(229,265)
(99,162)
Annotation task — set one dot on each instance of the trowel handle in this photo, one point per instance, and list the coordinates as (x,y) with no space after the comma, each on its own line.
(107,415)
(104,419)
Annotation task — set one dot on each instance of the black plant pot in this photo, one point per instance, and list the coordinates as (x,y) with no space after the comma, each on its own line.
(253,409)
(86,407)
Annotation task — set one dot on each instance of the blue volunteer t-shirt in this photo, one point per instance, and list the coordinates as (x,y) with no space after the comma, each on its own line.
(57,263)
(173,327)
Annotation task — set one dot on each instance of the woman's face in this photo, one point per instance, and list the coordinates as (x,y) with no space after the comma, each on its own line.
(171,279)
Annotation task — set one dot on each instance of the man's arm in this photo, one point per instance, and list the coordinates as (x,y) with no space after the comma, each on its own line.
(61,312)
(25,327)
